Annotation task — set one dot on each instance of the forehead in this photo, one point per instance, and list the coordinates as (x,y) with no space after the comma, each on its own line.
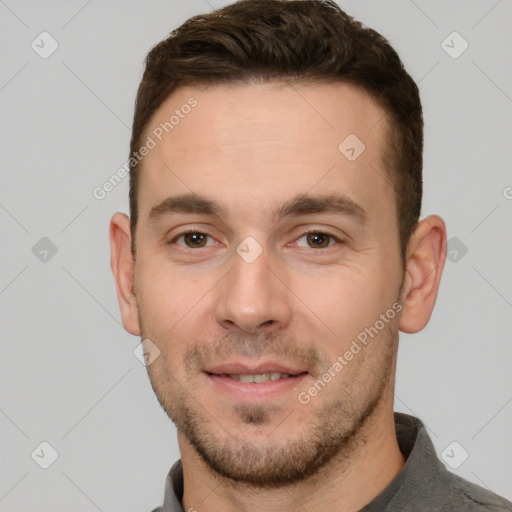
(249,143)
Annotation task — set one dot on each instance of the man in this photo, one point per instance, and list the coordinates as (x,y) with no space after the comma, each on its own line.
(273,253)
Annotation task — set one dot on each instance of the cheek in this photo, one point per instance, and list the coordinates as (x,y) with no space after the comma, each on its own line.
(176,306)
(343,301)
(166,301)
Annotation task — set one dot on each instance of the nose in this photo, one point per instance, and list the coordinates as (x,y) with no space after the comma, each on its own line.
(253,297)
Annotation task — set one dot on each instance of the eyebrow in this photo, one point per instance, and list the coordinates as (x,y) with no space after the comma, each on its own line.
(302,204)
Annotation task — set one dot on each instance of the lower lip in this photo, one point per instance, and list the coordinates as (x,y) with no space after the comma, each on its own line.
(253,391)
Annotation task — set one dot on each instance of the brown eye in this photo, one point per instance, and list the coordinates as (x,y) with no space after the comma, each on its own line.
(192,240)
(195,239)
(318,240)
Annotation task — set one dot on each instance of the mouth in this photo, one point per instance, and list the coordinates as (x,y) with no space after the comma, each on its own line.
(257,378)
(249,384)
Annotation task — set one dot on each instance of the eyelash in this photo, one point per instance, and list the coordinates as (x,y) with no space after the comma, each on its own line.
(305,233)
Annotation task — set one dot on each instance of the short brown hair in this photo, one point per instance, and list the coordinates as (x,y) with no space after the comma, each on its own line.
(305,40)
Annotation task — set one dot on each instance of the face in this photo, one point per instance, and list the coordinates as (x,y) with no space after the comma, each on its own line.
(265,250)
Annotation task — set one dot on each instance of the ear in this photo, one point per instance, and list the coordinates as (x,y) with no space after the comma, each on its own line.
(123,266)
(426,255)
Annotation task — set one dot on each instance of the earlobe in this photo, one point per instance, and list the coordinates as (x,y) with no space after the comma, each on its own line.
(123,268)
(425,263)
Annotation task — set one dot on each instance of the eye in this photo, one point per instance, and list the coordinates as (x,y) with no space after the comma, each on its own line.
(192,240)
(318,239)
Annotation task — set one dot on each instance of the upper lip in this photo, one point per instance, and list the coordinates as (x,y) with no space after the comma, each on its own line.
(239,368)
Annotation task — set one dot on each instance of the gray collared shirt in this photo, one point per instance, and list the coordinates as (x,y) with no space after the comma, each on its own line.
(422,485)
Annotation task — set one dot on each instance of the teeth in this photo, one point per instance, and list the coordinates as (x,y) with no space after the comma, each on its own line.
(260,377)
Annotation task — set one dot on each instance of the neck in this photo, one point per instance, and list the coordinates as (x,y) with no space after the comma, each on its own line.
(346,484)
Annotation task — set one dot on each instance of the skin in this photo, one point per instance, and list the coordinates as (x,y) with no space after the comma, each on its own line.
(251,148)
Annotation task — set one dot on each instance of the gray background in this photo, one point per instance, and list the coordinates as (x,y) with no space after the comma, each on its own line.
(68,373)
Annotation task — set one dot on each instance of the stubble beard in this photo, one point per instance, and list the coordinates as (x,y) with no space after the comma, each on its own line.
(335,430)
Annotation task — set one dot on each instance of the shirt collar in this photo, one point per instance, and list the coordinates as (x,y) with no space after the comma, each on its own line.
(422,468)
(174,489)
